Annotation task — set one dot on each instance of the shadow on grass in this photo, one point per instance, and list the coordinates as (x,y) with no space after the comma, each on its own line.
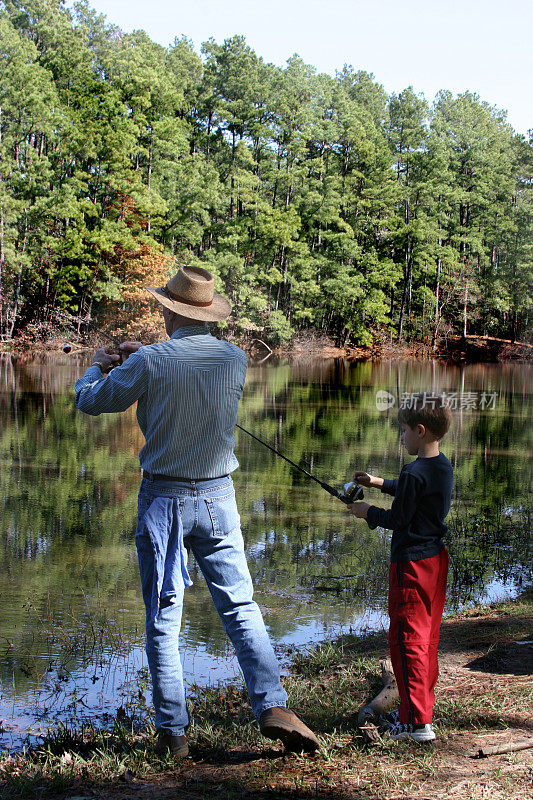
(515,658)
(207,773)
(220,757)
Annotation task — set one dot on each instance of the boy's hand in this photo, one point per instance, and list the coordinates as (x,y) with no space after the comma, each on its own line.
(358,509)
(365,479)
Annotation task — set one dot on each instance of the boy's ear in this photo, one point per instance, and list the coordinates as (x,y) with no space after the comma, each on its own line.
(421,430)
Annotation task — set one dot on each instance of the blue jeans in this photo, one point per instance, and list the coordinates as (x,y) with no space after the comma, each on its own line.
(204,516)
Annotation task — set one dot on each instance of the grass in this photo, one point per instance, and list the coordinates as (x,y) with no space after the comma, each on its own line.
(230,760)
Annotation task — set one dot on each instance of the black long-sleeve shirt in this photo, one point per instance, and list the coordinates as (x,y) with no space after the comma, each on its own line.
(422,496)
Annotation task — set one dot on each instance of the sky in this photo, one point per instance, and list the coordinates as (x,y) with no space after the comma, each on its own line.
(483,46)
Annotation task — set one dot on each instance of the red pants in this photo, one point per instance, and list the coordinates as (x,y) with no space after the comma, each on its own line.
(416,600)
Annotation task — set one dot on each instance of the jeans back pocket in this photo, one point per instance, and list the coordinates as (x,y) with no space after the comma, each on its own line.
(223,513)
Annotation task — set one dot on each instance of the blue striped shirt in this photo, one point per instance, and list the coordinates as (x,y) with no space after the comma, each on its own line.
(187,391)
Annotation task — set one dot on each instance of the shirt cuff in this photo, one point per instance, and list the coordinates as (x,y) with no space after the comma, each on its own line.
(371,514)
(94,373)
(388,486)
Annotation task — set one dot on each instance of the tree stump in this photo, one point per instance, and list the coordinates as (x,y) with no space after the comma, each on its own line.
(368,715)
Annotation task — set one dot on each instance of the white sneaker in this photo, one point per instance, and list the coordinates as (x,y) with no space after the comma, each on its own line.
(419,733)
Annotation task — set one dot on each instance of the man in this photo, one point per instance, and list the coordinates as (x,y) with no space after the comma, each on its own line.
(187,391)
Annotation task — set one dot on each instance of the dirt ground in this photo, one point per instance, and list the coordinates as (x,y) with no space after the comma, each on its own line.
(484,698)
(455,773)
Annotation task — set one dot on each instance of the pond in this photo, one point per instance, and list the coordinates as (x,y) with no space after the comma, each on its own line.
(71,629)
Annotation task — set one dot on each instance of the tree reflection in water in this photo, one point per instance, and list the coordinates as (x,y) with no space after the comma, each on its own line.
(72,612)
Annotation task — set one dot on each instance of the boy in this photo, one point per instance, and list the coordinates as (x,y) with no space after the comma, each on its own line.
(419,560)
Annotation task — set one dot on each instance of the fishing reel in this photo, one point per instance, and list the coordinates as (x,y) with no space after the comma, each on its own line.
(352,493)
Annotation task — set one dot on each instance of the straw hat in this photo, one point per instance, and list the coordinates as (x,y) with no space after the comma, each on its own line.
(190,293)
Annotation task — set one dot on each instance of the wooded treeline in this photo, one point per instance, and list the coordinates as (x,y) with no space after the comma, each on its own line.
(318,202)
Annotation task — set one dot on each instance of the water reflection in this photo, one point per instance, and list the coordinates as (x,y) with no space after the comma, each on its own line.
(71,628)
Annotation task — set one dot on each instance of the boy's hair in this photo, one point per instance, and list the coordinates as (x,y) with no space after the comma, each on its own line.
(431,411)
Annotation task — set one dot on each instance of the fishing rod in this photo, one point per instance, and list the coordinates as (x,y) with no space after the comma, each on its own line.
(67,347)
(352,491)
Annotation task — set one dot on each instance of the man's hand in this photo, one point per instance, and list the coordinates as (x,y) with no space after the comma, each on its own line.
(127,348)
(358,509)
(106,360)
(364,479)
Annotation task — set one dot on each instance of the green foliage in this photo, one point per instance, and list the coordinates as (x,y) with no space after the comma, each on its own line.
(320,202)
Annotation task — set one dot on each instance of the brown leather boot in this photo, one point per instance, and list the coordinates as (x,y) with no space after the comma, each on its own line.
(167,744)
(280,723)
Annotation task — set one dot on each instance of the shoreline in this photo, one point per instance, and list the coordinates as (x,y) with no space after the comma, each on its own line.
(484,698)
(455,350)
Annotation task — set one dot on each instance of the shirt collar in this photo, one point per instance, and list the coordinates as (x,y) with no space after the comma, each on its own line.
(190,330)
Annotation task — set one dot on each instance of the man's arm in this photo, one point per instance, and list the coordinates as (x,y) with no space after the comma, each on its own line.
(408,490)
(98,394)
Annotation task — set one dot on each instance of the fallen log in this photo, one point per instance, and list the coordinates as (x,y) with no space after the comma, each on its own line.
(500,749)
(368,715)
